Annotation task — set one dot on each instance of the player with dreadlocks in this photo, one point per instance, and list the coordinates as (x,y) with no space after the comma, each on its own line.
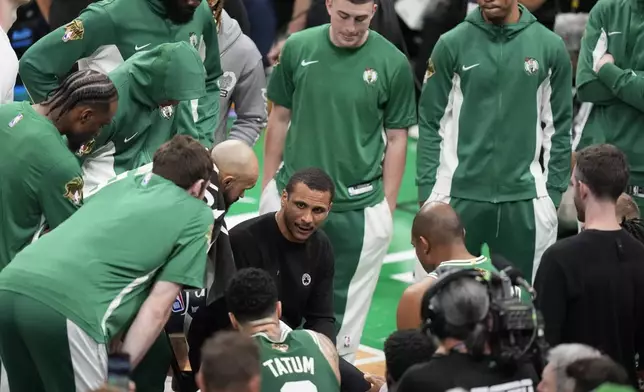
(41,178)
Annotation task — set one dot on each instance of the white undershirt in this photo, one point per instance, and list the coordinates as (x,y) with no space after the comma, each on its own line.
(8,68)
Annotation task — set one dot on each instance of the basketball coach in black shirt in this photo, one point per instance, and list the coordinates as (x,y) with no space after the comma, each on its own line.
(591,286)
(299,257)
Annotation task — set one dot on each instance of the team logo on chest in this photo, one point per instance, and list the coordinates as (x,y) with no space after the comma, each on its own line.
(531,66)
(167,112)
(370,76)
(306,279)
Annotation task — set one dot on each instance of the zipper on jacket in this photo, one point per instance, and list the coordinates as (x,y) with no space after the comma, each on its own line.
(499,77)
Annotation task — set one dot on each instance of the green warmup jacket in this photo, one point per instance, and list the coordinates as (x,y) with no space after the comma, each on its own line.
(109,32)
(617,91)
(493,98)
(171,71)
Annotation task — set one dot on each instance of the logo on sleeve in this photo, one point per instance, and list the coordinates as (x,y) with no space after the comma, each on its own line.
(209,234)
(15,120)
(226,83)
(370,76)
(531,66)
(306,279)
(74,30)
(430,71)
(86,148)
(74,190)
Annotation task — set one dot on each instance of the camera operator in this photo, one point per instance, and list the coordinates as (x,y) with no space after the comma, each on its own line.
(462,311)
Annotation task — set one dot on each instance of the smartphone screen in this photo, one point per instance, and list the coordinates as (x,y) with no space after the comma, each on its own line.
(118,372)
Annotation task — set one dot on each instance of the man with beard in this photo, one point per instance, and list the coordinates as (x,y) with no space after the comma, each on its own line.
(41,178)
(298,256)
(106,34)
(591,286)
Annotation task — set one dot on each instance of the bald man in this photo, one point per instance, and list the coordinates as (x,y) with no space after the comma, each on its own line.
(438,237)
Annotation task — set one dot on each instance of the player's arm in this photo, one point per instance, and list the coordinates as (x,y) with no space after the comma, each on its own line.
(551,288)
(400,114)
(61,192)
(408,313)
(186,267)
(150,320)
(208,106)
(280,93)
(319,313)
(249,97)
(625,84)
(431,108)
(330,353)
(49,60)
(594,44)
(556,114)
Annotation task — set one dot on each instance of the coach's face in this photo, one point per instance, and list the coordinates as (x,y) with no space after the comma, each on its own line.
(181,11)
(304,210)
(350,22)
(496,11)
(235,188)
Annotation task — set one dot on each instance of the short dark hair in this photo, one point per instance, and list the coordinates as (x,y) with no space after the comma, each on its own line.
(405,348)
(183,161)
(361,1)
(314,178)
(604,169)
(85,87)
(229,361)
(590,373)
(251,295)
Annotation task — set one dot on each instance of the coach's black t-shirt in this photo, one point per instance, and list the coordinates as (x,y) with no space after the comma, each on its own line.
(303,271)
(590,289)
(457,370)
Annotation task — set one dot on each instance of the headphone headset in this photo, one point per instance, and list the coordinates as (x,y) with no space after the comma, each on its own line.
(433,315)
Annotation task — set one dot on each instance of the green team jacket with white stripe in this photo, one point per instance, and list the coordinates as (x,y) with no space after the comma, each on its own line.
(109,32)
(617,90)
(494,97)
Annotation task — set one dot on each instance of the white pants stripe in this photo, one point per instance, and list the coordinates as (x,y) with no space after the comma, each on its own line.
(89,359)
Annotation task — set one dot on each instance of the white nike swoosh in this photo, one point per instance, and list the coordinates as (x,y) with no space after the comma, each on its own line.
(127,139)
(305,63)
(470,67)
(614,32)
(137,47)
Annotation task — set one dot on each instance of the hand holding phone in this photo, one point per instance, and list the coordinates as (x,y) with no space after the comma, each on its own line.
(119,369)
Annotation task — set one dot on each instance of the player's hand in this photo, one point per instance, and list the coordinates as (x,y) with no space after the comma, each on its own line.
(392,207)
(605,59)
(376,382)
(274,54)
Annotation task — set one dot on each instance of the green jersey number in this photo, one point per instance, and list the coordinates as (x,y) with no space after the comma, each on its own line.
(299,386)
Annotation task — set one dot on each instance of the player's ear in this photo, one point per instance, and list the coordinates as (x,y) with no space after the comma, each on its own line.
(197,189)
(283,198)
(278,309)
(199,380)
(233,321)
(425,244)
